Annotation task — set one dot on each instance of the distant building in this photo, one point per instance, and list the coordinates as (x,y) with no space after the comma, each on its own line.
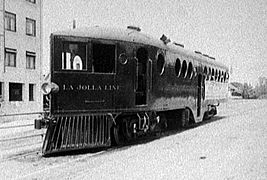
(262,88)
(263,81)
(235,89)
(20,56)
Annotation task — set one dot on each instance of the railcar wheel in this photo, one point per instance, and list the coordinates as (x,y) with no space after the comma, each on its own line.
(185,118)
(117,135)
(123,132)
(128,129)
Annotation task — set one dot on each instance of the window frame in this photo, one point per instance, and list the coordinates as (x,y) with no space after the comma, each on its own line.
(30,55)
(9,51)
(31,22)
(8,16)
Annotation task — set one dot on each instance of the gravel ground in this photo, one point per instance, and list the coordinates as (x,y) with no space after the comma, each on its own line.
(232,145)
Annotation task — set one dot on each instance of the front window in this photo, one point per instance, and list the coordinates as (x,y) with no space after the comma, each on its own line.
(10,21)
(30,27)
(92,57)
(10,57)
(73,56)
(103,58)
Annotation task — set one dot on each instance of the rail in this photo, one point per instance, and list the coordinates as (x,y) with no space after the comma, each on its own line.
(20,114)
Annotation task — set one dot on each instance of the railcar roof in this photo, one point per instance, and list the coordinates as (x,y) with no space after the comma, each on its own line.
(130,35)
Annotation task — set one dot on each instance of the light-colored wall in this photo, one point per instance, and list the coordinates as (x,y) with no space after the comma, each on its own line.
(1,37)
(21,42)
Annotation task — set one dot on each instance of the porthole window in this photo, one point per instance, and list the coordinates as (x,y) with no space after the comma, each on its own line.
(195,71)
(227,77)
(222,76)
(206,73)
(184,69)
(160,64)
(212,75)
(177,67)
(209,74)
(190,71)
(123,58)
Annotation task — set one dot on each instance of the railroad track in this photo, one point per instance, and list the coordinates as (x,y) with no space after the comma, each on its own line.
(17,126)
(60,165)
(18,142)
(21,155)
(22,137)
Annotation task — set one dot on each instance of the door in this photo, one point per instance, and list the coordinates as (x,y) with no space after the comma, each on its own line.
(199,94)
(142,76)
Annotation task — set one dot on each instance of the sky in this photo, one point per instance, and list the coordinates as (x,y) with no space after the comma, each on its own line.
(232,31)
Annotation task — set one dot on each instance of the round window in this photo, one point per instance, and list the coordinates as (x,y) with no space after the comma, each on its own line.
(190,70)
(123,58)
(160,64)
(177,67)
(184,69)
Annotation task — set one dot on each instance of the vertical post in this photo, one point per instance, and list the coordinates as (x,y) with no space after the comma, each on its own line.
(74,24)
(4,35)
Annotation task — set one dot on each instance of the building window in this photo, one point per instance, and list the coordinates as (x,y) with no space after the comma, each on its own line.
(15,92)
(32,1)
(30,60)
(10,57)
(10,21)
(30,27)
(1,91)
(31,92)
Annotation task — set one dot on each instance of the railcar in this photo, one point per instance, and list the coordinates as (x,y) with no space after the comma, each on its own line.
(112,86)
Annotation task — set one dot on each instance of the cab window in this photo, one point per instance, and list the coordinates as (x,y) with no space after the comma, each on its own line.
(103,58)
(73,56)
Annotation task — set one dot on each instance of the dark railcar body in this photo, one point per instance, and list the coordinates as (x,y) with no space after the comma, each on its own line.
(108,76)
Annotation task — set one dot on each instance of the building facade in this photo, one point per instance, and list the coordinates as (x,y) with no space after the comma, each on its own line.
(20,56)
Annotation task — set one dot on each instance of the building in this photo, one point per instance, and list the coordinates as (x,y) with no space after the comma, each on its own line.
(20,56)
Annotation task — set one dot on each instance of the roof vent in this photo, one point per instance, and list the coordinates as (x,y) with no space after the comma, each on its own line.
(164,39)
(177,44)
(134,28)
